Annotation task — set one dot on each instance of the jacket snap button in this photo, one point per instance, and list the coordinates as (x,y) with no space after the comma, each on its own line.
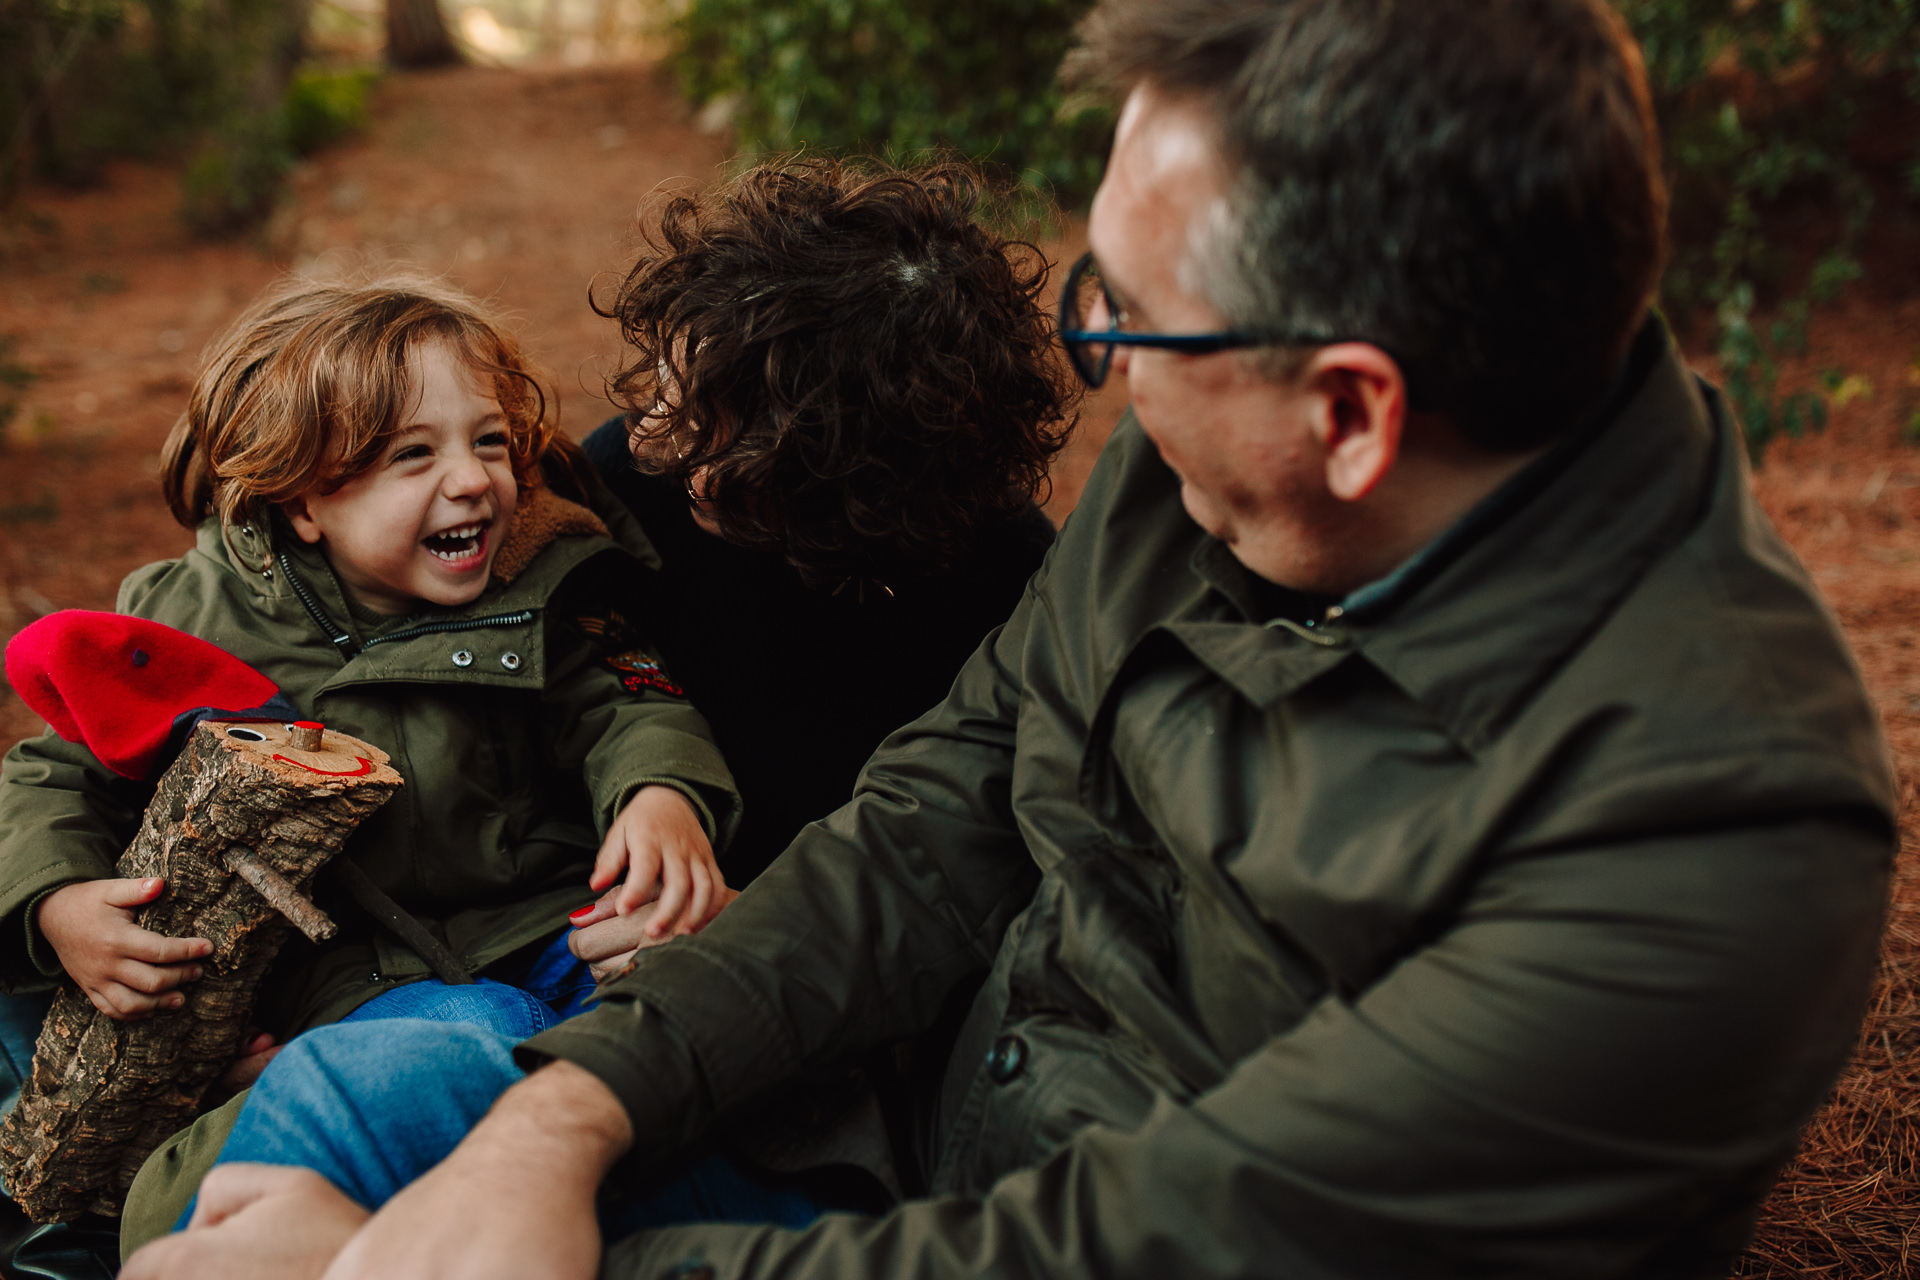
(374,976)
(463,657)
(1004,1060)
(511,661)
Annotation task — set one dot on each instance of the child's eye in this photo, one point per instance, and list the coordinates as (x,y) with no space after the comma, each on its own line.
(492,440)
(410,452)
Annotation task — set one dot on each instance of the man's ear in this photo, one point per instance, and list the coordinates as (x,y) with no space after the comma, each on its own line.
(1360,413)
(300,516)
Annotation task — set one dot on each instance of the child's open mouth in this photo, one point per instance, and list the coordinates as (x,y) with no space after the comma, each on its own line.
(457,544)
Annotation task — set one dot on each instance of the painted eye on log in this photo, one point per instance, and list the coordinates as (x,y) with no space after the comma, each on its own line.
(247,735)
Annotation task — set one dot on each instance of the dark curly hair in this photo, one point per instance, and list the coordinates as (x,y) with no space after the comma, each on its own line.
(862,370)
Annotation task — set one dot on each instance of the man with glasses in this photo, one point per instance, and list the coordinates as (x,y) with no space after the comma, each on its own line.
(1420,821)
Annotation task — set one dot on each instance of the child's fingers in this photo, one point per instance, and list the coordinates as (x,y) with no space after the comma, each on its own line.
(149,979)
(643,883)
(125,1004)
(673,899)
(157,948)
(131,893)
(610,861)
(700,878)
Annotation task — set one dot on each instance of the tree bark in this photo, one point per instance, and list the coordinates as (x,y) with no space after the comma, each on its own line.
(417,35)
(241,806)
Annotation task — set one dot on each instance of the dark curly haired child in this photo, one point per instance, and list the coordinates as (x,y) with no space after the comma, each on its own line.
(844,396)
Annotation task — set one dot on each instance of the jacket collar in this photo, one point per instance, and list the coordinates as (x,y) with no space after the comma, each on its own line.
(540,551)
(1474,623)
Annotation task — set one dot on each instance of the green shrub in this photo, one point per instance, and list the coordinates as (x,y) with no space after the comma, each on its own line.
(324,106)
(235,176)
(214,80)
(901,78)
(1760,102)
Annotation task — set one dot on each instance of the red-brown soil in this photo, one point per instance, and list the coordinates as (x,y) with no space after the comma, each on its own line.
(522,186)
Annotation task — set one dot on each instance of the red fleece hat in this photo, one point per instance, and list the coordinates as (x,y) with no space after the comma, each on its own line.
(120,684)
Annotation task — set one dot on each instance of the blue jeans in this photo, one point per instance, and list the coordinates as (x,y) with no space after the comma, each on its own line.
(372,1106)
(20,1019)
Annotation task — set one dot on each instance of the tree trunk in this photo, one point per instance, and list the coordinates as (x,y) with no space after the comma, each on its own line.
(240,824)
(417,35)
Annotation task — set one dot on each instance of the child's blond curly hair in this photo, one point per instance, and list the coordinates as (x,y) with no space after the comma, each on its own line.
(304,390)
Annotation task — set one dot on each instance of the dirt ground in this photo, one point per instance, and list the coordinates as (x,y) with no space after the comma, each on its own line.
(522,186)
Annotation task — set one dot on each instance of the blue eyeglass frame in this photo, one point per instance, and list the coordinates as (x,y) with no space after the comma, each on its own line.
(1194,344)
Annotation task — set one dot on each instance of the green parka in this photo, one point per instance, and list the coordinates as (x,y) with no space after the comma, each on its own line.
(1507,918)
(516,740)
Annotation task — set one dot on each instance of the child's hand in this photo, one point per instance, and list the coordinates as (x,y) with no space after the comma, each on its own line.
(128,972)
(657,838)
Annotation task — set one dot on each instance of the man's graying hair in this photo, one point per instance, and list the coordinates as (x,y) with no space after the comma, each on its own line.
(1473,185)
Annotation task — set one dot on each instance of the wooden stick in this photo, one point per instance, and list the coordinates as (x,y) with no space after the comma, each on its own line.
(281,894)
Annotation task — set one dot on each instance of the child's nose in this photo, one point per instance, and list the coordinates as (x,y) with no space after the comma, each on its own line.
(467,477)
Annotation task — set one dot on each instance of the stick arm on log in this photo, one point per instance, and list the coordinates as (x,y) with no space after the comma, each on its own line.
(281,894)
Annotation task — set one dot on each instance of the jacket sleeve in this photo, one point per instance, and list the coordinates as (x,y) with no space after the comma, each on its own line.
(850,939)
(1534,1093)
(64,817)
(626,737)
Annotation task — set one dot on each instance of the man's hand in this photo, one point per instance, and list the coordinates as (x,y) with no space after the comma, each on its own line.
(128,972)
(657,839)
(608,941)
(254,1220)
(516,1199)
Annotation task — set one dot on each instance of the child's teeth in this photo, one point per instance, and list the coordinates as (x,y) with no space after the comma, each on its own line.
(455,544)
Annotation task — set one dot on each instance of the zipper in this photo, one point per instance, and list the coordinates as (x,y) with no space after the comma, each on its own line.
(519,619)
(341,641)
(344,643)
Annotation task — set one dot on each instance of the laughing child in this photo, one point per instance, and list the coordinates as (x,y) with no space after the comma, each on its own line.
(377,490)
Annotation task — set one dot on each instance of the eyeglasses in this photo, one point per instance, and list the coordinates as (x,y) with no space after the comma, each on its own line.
(1091,350)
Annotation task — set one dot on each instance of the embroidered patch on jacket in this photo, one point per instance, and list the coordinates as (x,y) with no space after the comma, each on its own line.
(638,671)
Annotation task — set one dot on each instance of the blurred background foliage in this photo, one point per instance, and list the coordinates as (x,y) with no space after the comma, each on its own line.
(1789,123)
(219,83)
(903,78)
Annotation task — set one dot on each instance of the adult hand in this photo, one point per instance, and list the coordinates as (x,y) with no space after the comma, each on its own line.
(516,1199)
(608,941)
(254,1220)
(128,972)
(658,840)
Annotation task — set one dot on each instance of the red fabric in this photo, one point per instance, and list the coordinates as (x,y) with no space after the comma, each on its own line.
(117,683)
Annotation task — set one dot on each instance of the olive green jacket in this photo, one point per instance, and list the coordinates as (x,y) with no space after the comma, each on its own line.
(516,741)
(1508,920)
